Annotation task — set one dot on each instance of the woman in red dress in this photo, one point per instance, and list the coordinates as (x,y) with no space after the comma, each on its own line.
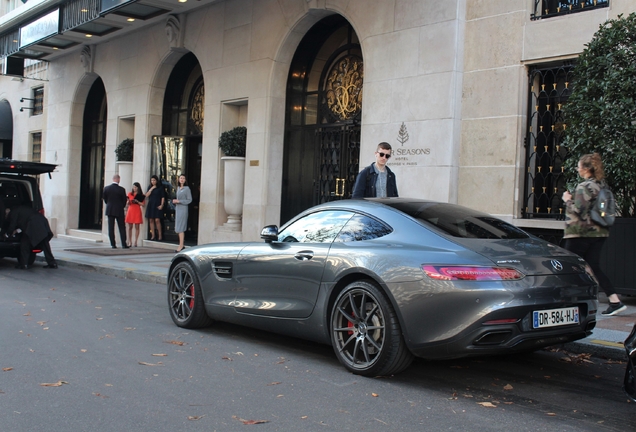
(134,216)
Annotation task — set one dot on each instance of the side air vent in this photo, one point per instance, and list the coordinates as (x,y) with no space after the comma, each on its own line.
(223,270)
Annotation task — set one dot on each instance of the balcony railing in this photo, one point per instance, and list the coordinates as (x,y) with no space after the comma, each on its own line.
(552,8)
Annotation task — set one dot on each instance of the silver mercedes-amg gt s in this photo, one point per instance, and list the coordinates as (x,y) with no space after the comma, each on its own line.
(383,280)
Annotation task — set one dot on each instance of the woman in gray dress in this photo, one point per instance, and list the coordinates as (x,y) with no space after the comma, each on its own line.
(181,202)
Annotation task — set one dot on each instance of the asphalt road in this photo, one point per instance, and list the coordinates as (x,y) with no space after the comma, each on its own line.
(112,360)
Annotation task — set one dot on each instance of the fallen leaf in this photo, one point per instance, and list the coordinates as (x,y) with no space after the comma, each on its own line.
(226,358)
(467,396)
(99,319)
(193,418)
(508,387)
(175,342)
(27,314)
(303,417)
(375,394)
(129,328)
(487,404)
(250,422)
(150,364)
(160,355)
(42,322)
(84,350)
(274,383)
(100,395)
(7,369)
(57,384)
(551,414)
(238,353)
(45,328)
(508,403)
(280,396)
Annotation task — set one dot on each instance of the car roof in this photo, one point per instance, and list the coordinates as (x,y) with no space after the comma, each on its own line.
(11,166)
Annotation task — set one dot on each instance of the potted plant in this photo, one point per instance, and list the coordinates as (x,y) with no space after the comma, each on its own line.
(124,151)
(600,118)
(124,154)
(233,144)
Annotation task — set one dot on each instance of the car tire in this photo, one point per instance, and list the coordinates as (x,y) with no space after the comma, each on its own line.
(368,342)
(185,300)
(31,258)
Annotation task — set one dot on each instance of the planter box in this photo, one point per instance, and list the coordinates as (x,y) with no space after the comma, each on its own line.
(618,259)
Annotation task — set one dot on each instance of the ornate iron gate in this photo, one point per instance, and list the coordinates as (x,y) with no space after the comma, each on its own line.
(339,150)
(549,89)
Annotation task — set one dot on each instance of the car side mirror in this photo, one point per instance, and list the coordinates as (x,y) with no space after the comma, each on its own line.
(269,233)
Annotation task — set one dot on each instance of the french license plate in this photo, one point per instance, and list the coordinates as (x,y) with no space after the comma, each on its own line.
(555,317)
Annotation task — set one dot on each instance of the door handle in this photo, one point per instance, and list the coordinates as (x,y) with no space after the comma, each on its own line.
(341,182)
(304,255)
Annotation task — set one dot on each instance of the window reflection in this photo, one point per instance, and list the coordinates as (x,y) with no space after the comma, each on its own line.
(319,227)
(361,227)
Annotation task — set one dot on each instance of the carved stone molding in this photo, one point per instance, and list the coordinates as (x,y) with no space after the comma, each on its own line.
(86,58)
(175,31)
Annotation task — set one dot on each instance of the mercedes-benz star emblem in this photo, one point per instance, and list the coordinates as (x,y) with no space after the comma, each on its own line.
(557,265)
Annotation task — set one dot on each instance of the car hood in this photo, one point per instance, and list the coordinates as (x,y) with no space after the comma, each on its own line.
(531,256)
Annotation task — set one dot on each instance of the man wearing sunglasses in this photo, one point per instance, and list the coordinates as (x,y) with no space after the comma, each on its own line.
(377,180)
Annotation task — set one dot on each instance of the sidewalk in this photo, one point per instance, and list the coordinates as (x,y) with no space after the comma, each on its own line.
(606,340)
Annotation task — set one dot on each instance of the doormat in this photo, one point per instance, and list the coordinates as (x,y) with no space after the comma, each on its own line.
(119,251)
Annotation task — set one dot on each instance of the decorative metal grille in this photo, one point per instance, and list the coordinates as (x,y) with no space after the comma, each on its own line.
(549,89)
(78,12)
(38,100)
(36,149)
(343,88)
(551,8)
(339,150)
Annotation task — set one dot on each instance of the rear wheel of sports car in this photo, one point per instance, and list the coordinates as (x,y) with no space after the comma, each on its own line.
(184,298)
(365,332)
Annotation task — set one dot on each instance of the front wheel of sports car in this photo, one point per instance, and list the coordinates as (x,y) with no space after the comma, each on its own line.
(184,298)
(365,332)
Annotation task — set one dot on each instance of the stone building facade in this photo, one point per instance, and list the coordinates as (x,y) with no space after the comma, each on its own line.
(317,83)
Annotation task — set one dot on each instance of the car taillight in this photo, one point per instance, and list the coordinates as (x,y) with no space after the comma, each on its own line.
(471,273)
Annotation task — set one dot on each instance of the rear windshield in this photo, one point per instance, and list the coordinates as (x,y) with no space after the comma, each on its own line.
(459,221)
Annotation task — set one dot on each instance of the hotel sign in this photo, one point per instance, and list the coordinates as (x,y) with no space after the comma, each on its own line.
(40,29)
(109,5)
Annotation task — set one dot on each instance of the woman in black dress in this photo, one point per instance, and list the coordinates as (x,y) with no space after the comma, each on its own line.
(155,197)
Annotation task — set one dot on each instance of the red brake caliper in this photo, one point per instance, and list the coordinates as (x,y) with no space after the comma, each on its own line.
(350,324)
(191,292)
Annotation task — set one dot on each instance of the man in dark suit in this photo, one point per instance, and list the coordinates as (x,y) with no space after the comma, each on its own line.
(115,199)
(36,234)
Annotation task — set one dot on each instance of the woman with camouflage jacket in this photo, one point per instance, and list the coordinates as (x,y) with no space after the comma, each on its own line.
(584,237)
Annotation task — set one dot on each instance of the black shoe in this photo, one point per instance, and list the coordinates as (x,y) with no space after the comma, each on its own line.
(51,266)
(21,267)
(125,247)
(114,247)
(613,309)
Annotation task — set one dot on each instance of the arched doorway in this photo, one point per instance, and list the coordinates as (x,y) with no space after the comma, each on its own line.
(93,145)
(322,120)
(6,130)
(179,148)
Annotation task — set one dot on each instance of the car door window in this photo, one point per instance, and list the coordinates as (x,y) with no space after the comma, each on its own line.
(319,227)
(361,227)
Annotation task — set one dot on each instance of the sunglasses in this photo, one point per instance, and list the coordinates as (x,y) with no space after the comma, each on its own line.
(386,155)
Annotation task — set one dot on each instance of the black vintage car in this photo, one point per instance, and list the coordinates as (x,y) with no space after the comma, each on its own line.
(19,186)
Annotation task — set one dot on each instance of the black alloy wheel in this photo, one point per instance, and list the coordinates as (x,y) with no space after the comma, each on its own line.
(365,332)
(184,298)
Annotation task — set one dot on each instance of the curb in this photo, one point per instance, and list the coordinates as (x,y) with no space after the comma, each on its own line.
(124,274)
(596,350)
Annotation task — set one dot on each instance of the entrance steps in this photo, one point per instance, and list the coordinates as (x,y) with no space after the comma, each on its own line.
(93,236)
